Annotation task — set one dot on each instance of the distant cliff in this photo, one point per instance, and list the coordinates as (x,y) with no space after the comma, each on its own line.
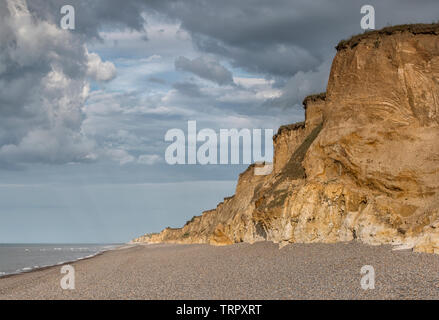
(364,164)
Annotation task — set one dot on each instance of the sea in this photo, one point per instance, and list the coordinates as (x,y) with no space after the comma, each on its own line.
(19,258)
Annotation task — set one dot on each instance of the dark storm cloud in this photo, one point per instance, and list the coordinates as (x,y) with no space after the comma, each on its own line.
(272,38)
(157,80)
(91,16)
(283,37)
(205,68)
(188,89)
(290,41)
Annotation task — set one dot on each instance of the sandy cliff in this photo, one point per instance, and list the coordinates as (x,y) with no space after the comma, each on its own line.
(364,164)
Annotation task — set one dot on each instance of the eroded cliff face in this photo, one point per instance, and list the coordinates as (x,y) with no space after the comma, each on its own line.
(364,164)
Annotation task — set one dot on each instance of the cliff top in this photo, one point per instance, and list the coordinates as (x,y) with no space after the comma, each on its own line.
(288,127)
(420,28)
(314,98)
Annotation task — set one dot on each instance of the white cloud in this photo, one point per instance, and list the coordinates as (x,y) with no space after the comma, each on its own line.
(253,82)
(119,155)
(149,159)
(99,70)
(153,57)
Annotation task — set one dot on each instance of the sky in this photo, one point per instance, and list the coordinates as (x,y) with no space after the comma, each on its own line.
(84,112)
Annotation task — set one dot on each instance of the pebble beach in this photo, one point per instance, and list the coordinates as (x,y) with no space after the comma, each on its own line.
(239,271)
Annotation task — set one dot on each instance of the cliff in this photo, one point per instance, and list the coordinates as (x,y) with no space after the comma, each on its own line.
(364,165)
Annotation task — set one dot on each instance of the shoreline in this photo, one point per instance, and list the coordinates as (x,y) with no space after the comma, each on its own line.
(62,263)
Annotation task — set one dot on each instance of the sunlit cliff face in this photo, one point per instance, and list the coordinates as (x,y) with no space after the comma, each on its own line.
(367,151)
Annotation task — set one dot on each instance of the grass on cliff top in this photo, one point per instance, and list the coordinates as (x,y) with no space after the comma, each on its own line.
(420,28)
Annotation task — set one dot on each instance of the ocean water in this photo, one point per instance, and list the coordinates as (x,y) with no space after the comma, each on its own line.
(17,258)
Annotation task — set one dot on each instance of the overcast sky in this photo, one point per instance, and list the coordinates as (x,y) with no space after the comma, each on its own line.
(83,112)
